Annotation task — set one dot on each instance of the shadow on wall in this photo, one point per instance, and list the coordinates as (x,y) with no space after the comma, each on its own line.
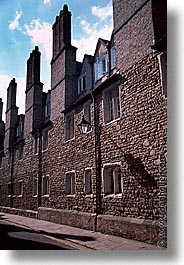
(138,170)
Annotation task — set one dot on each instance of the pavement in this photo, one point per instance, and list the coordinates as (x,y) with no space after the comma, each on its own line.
(72,237)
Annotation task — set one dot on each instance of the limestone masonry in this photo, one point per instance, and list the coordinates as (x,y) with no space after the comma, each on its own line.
(109,178)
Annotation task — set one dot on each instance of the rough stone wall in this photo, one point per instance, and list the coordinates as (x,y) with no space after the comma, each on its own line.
(133,41)
(74,155)
(137,140)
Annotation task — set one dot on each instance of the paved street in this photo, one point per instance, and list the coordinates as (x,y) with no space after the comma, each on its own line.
(22,233)
(15,238)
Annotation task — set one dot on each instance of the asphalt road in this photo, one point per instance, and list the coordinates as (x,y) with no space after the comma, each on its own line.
(17,238)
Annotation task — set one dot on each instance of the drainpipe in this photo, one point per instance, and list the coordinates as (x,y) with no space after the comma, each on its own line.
(11,150)
(97,146)
(97,131)
(40,168)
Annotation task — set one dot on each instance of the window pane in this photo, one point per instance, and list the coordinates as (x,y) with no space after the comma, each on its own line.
(84,82)
(118,188)
(113,57)
(118,102)
(88,182)
(70,183)
(111,107)
(35,186)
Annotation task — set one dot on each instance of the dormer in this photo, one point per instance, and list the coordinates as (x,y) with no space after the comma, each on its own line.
(101,60)
(112,54)
(47,107)
(85,76)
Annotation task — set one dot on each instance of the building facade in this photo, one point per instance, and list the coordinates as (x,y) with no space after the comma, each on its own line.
(106,179)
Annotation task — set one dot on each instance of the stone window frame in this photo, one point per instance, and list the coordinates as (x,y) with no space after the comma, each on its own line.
(36,143)
(20,190)
(114,166)
(20,129)
(1,161)
(35,184)
(116,107)
(162,59)
(47,108)
(21,152)
(45,140)
(113,56)
(9,189)
(46,185)
(88,194)
(81,81)
(103,63)
(70,185)
(87,114)
(69,128)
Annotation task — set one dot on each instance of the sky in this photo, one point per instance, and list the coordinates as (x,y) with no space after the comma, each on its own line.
(26,24)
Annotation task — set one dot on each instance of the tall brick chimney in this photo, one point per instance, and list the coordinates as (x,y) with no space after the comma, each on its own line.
(11,114)
(63,64)
(1,109)
(33,108)
(2,126)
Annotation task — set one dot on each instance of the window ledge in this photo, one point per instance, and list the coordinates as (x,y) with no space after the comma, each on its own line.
(35,196)
(45,196)
(110,122)
(70,195)
(45,150)
(118,195)
(69,140)
(88,195)
(19,196)
(101,78)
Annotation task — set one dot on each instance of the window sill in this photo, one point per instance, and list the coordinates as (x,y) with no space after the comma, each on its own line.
(101,78)
(45,196)
(35,196)
(115,196)
(19,196)
(45,150)
(69,140)
(110,122)
(70,196)
(88,195)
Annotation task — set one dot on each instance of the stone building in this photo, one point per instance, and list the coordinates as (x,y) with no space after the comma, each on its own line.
(105,179)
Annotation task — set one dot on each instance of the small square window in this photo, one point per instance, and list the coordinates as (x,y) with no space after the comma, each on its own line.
(45,140)
(70,183)
(163,72)
(21,150)
(20,188)
(81,83)
(36,142)
(100,67)
(69,127)
(113,57)
(11,188)
(88,182)
(87,113)
(45,185)
(112,180)
(112,105)
(35,186)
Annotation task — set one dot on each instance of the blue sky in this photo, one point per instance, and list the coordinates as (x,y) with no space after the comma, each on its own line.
(25,24)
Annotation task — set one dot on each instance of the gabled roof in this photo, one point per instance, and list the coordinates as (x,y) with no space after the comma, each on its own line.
(88,58)
(101,41)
